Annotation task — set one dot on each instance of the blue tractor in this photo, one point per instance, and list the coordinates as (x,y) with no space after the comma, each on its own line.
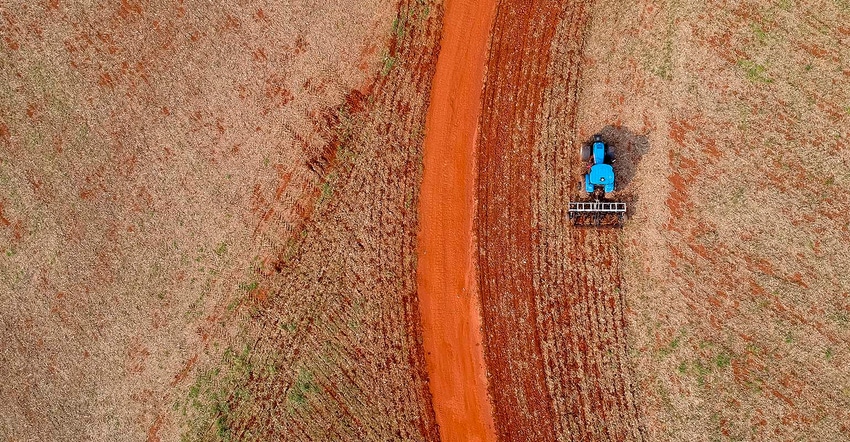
(600,175)
(598,183)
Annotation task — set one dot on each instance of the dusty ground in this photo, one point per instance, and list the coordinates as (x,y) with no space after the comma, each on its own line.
(155,160)
(734,261)
(208,217)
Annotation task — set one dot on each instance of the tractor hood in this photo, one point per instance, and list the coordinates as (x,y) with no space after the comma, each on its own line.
(598,152)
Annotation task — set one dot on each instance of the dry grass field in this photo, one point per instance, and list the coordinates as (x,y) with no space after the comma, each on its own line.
(734,264)
(158,161)
(330,346)
(208,220)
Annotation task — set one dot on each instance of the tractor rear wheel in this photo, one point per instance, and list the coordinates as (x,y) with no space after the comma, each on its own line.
(585,152)
(610,155)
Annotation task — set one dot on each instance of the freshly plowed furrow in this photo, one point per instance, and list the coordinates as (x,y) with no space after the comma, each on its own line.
(553,311)
(597,402)
(516,76)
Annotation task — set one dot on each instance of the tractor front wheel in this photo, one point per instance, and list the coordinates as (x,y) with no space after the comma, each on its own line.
(585,152)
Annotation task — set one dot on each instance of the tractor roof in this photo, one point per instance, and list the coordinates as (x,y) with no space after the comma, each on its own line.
(602,174)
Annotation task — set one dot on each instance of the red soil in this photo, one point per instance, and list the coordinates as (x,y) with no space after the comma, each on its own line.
(446,280)
(506,189)
(554,329)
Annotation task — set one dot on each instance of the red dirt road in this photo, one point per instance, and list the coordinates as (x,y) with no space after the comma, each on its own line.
(446,281)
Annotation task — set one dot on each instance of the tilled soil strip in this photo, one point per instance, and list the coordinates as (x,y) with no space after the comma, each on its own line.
(552,310)
(446,279)
(516,78)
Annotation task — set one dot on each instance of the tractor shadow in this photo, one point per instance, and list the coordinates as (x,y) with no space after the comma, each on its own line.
(626,149)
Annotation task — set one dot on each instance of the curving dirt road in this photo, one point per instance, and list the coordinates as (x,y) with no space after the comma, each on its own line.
(446,279)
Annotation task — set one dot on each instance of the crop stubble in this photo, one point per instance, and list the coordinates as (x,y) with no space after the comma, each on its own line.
(552,306)
(734,263)
(337,345)
(161,163)
(148,152)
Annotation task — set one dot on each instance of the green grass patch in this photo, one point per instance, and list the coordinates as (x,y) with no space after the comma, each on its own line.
(221,249)
(291,327)
(759,33)
(301,389)
(674,344)
(737,195)
(841,318)
(327,191)
(723,360)
(663,65)
(399,26)
(291,250)
(249,287)
(215,396)
(754,385)
(671,347)
(345,125)
(388,64)
(422,9)
(701,371)
(754,71)
(233,304)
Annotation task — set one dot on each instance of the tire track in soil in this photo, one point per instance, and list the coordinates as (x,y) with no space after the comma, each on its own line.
(555,342)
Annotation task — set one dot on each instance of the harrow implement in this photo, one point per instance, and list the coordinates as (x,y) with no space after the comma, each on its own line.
(597,213)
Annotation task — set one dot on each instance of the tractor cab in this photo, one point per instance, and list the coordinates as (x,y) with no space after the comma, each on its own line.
(600,173)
